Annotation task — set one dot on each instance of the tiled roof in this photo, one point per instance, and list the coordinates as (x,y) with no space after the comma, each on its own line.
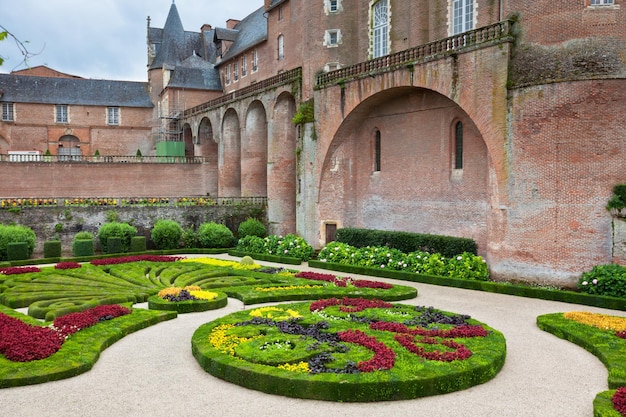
(251,31)
(77,91)
(196,73)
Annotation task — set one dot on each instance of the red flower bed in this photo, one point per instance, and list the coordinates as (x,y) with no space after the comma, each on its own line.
(13,270)
(21,342)
(460,352)
(619,400)
(135,258)
(349,305)
(621,334)
(363,283)
(384,358)
(460,331)
(67,265)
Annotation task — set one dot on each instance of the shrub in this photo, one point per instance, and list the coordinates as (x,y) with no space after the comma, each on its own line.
(214,235)
(138,244)
(189,239)
(166,234)
(290,246)
(251,244)
(83,235)
(607,279)
(16,233)
(114,244)
(17,251)
(82,247)
(122,230)
(251,227)
(52,249)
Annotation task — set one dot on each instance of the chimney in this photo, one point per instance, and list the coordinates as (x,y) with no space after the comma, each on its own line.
(231,23)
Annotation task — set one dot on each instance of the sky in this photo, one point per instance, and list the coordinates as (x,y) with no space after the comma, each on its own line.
(101,39)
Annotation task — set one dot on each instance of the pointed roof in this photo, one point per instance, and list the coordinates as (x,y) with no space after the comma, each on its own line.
(174,41)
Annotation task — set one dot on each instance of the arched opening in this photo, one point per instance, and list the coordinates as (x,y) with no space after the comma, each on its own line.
(69,148)
(413,191)
(281,174)
(254,153)
(229,184)
(188,139)
(208,148)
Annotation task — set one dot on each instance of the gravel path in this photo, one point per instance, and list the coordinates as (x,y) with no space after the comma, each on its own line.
(152,373)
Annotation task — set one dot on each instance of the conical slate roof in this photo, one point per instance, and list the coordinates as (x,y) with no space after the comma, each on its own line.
(173,48)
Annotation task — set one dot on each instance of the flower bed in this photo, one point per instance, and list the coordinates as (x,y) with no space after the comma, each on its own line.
(350,350)
(190,299)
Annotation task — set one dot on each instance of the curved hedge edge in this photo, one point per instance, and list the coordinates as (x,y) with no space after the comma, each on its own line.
(312,296)
(157,303)
(603,405)
(609,349)
(280,382)
(268,258)
(570,297)
(80,352)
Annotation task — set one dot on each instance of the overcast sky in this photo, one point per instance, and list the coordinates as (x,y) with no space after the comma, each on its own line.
(103,39)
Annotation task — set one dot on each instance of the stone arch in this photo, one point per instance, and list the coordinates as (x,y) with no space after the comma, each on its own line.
(254,152)
(207,147)
(229,162)
(281,175)
(414,190)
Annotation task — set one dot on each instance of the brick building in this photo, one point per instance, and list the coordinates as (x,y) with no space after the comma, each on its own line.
(496,120)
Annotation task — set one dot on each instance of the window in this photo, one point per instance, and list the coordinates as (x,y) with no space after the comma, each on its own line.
(8,112)
(244,66)
(380,29)
(333,6)
(113,116)
(255,60)
(236,75)
(332,37)
(377,151)
(458,146)
(462,16)
(281,47)
(280,13)
(602,2)
(228,74)
(62,113)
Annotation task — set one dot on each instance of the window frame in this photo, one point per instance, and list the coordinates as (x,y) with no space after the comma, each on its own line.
(62,113)
(462,16)
(601,3)
(244,66)
(377,150)
(236,71)
(8,112)
(113,116)
(328,38)
(458,159)
(227,74)
(281,47)
(255,60)
(380,29)
(333,6)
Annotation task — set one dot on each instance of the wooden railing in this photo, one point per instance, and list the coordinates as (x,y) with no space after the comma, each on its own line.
(85,159)
(283,78)
(486,36)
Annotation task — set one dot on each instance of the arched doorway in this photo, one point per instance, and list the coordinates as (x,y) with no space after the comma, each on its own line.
(208,148)
(254,153)
(69,148)
(230,156)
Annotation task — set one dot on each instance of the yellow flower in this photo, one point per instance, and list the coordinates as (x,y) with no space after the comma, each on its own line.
(302,367)
(601,321)
(275,313)
(204,295)
(221,263)
(288,288)
(169,291)
(224,342)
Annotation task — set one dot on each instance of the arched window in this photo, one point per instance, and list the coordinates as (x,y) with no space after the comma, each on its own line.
(281,47)
(380,29)
(377,150)
(458,146)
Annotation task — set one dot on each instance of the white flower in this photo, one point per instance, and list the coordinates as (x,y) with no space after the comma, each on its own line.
(382,266)
(388,255)
(458,258)
(336,248)
(286,251)
(595,281)
(585,283)
(404,265)
(323,260)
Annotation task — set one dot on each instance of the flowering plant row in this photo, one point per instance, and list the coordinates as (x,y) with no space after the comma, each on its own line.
(465,265)
(135,258)
(369,342)
(619,400)
(609,280)
(343,282)
(601,321)
(27,202)
(15,270)
(221,263)
(67,265)
(86,202)
(291,246)
(22,342)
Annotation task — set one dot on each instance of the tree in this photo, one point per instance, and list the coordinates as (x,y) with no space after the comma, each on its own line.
(21,45)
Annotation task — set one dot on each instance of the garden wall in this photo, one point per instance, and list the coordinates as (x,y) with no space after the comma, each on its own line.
(67,221)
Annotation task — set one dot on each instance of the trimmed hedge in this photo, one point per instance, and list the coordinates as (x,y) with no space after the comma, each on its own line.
(13,234)
(571,297)
(407,242)
(603,405)
(52,249)
(114,229)
(114,245)
(157,303)
(138,244)
(610,349)
(82,247)
(17,251)
(166,234)
(215,235)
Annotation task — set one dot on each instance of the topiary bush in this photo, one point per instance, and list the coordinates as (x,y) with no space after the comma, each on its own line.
(251,227)
(166,234)
(138,244)
(13,234)
(17,251)
(214,235)
(114,229)
(607,279)
(189,238)
(52,249)
(114,245)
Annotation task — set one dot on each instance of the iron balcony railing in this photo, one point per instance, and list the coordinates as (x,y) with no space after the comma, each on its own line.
(496,33)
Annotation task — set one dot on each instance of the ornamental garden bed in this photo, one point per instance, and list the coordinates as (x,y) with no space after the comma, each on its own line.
(187,300)
(605,337)
(350,350)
